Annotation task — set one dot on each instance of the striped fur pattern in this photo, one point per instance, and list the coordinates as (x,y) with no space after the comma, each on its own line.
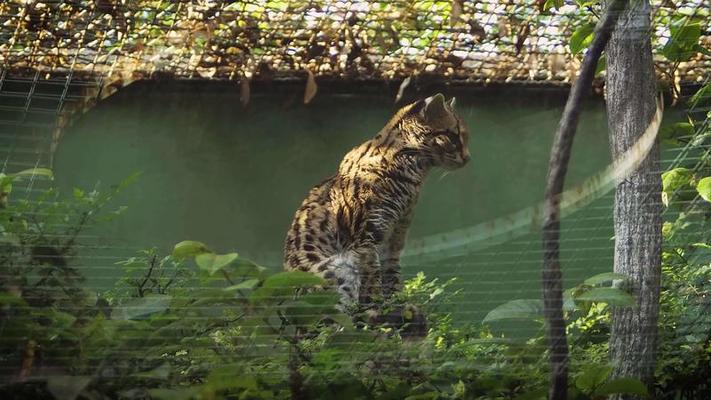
(351,227)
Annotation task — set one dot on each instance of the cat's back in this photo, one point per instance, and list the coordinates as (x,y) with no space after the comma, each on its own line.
(309,236)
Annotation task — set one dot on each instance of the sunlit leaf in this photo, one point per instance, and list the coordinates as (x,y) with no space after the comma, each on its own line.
(704,188)
(581,38)
(189,248)
(516,309)
(611,296)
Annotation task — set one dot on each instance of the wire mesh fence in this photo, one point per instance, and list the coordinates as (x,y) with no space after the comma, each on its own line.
(58,58)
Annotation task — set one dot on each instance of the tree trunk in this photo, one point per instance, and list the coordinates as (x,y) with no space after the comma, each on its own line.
(631,93)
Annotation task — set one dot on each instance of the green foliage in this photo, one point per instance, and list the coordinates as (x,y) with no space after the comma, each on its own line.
(684,38)
(581,38)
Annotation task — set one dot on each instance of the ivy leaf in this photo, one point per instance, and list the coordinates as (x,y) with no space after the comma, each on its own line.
(212,262)
(581,38)
(622,386)
(704,188)
(189,248)
(516,309)
(611,296)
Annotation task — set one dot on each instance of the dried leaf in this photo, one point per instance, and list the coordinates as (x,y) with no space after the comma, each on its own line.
(456,12)
(244,91)
(504,27)
(311,87)
(405,83)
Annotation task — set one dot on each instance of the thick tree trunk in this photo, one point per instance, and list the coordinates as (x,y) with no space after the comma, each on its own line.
(631,93)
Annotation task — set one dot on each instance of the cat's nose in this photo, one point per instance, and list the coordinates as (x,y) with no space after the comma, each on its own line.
(466,158)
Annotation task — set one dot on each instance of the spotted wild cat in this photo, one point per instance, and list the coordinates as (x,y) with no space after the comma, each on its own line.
(351,227)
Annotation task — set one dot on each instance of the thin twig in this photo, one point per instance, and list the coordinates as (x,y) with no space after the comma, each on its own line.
(557,169)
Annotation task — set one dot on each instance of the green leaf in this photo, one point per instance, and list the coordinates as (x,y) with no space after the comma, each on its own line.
(581,38)
(704,188)
(46,172)
(189,248)
(683,42)
(611,296)
(601,65)
(244,285)
(592,376)
(161,373)
(185,393)
(552,4)
(293,280)
(229,378)
(279,286)
(245,267)
(67,387)
(9,298)
(212,262)
(702,97)
(673,180)
(516,309)
(622,386)
(537,394)
(604,278)
(677,130)
(142,307)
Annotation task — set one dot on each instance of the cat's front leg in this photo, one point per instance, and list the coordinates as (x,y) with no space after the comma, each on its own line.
(370,276)
(392,281)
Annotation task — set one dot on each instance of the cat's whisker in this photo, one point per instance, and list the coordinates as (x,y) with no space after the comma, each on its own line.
(444,173)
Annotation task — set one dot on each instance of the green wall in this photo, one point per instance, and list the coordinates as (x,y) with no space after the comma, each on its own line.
(232,177)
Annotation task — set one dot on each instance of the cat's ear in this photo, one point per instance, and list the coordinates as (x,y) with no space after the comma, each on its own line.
(434,107)
(452,102)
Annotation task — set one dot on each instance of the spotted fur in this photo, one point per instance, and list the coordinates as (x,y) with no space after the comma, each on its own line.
(351,227)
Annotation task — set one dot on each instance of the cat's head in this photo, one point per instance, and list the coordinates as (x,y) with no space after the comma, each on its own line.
(433,129)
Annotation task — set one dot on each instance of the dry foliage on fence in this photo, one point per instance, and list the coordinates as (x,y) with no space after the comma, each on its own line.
(471,41)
